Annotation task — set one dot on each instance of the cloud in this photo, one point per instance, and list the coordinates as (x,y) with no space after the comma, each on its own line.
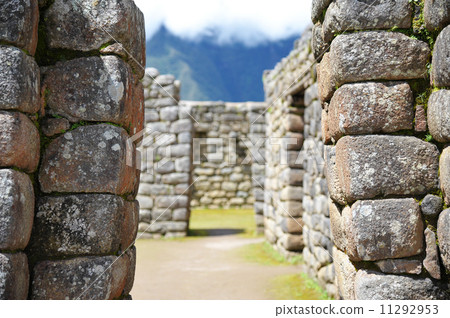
(246,21)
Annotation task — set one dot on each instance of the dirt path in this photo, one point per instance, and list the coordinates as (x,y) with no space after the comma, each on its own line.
(202,268)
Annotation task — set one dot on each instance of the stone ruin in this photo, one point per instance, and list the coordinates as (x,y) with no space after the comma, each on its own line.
(359,184)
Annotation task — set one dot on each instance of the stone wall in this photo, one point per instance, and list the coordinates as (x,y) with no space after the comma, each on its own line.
(285,87)
(197,154)
(71,99)
(386,131)
(166,153)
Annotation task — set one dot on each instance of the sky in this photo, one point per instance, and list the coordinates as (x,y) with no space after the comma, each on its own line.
(250,22)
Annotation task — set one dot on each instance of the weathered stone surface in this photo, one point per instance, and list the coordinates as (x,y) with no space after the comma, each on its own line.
(293,123)
(86,26)
(318,6)
(400,266)
(325,78)
(130,256)
(89,159)
(54,126)
(19,23)
(436,14)
(84,224)
(431,261)
(172,201)
(368,108)
(14,276)
(420,120)
(348,15)
(318,44)
(19,142)
(292,242)
(382,229)
(291,193)
(440,75)
(443,233)
(376,55)
(16,210)
(438,113)
(71,93)
(345,274)
(292,225)
(83,278)
(370,166)
(337,226)
(431,205)
(444,170)
(370,285)
(20,80)
(331,173)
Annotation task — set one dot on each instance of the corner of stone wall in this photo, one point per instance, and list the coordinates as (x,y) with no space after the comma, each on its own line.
(385,134)
(166,178)
(68,173)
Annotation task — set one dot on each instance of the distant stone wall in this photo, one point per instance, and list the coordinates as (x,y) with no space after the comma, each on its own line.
(71,99)
(166,153)
(223,167)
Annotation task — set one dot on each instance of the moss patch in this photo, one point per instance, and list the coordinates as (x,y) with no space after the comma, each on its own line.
(265,254)
(297,287)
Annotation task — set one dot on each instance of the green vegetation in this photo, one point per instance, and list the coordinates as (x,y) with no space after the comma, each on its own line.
(242,221)
(297,287)
(265,254)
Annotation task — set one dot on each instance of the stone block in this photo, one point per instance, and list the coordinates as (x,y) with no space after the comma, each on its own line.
(431,205)
(345,274)
(83,224)
(181,214)
(369,108)
(431,261)
(95,159)
(420,120)
(14,276)
(182,125)
(349,15)
(54,126)
(400,266)
(319,47)
(87,26)
(331,173)
(371,285)
(70,91)
(20,80)
(172,201)
(443,233)
(337,223)
(83,278)
(19,21)
(318,7)
(325,78)
(436,14)
(291,209)
(291,194)
(19,142)
(376,55)
(438,113)
(444,170)
(16,210)
(175,178)
(383,229)
(292,242)
(130,257)
(293,123)
(371,166)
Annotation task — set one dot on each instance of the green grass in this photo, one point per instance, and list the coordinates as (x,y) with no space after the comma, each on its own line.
(264,254)
(297,287)
(240,221)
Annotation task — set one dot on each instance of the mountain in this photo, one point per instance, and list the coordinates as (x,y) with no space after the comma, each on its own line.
(209,71)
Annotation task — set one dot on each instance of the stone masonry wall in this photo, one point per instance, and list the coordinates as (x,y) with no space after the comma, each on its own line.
(285,86)
(385,98)
(166,153)
(68,174)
